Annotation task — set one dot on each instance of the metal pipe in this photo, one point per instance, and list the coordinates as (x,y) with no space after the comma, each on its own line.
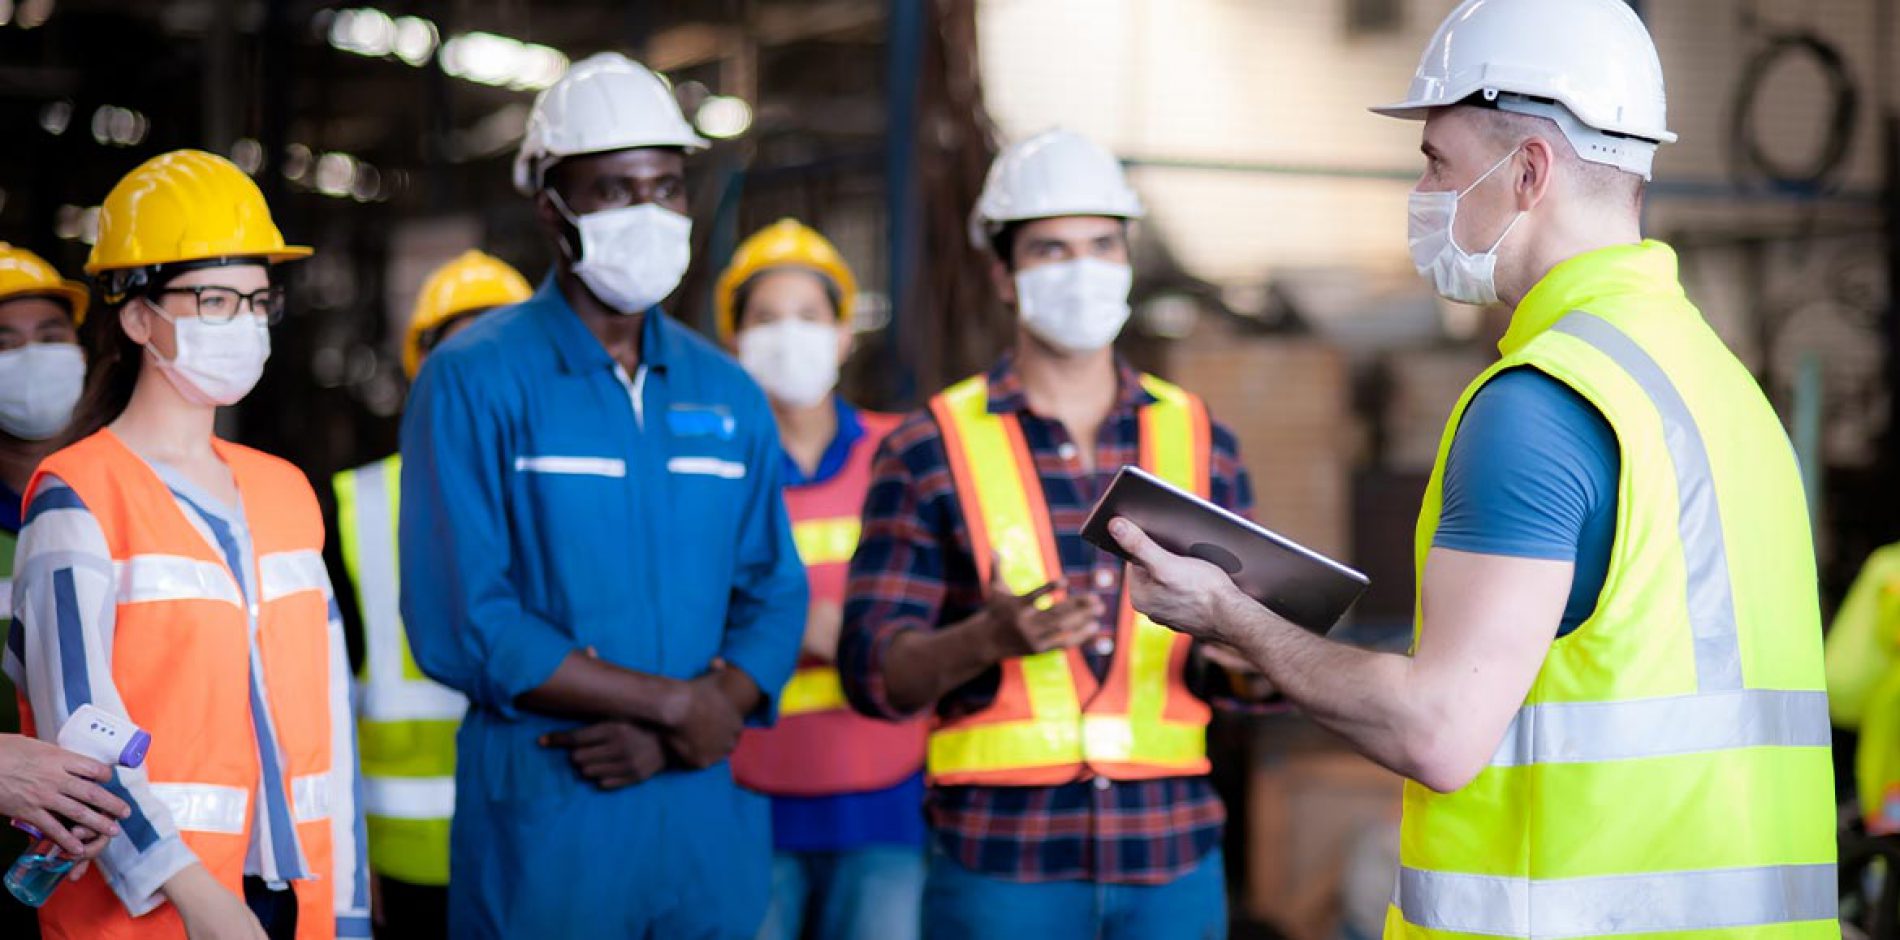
(904,74)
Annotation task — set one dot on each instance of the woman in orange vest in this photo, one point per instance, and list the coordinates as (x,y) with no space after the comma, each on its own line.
(847,791)
(177,579)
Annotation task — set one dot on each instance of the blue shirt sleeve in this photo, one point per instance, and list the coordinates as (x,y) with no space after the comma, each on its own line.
(466,623)
(1533,474)
(765,618)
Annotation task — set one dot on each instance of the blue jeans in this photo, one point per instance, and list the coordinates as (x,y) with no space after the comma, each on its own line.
(871,893)
(960,904)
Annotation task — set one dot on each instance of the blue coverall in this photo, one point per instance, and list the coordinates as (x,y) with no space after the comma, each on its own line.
(551,503)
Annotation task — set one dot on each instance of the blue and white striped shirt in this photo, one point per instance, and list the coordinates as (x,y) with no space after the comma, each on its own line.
(59,652)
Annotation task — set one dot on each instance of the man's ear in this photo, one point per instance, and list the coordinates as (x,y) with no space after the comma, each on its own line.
(555,226)
(1537,159)
(1003,281)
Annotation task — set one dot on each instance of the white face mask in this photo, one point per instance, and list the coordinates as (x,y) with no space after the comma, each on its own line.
(39,385)
(631,257)
(1455,274)
(795,361)
(1076,306)
(216,363)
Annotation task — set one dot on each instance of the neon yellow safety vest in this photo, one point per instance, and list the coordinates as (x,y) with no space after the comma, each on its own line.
(1669,772)
(1863,685)
(405,722)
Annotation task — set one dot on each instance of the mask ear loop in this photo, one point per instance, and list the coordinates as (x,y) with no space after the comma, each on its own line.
(1519,217)
(573,224)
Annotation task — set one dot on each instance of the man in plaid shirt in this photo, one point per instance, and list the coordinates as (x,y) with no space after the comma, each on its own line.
(1081,841)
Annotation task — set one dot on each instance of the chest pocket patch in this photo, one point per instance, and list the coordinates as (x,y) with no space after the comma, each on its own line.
(714,421)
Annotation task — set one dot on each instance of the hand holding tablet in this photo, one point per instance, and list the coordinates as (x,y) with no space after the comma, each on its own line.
(1297,583)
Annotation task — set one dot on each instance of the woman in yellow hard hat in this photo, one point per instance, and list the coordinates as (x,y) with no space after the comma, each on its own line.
(176,579)
(41,372)
(846,791)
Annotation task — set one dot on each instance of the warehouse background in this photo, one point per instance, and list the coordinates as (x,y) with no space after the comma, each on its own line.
(1272,270)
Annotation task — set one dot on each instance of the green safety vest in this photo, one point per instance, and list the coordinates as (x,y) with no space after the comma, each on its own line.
(405,722)
(1669,771)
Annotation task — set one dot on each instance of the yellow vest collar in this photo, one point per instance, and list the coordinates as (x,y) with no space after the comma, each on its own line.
(1648,267)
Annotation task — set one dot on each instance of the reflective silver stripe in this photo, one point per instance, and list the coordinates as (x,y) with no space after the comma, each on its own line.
(204,807)
(409,797)
(148,578)
(1711,600)
(411,700)
(282,574)
(388,695)
(310,797)
(706,466)
(1617,904)
(577,466)
(1588,732)
(375,572)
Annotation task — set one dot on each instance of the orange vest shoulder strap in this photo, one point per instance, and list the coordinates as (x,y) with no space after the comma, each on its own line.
(279,503)
(113,482)
(1176,415)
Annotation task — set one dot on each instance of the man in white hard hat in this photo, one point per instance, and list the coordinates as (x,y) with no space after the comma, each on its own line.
(595,552)
(1067,763)
(1612,719)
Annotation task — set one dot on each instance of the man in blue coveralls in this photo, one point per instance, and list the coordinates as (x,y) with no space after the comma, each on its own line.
(595,551)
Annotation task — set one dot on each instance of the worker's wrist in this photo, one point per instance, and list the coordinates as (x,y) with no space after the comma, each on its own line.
(1232,612)
(675,703)
(984,632)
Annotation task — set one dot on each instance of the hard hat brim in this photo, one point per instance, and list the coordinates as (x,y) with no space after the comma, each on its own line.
(273,256)
(75,295)
(1407,110)
(1418,109)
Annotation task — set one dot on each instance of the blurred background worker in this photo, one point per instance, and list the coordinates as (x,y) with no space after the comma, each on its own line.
(406,722)
(595,551)
(974,517)
(847,791)
(1613,718)
(1863,686)
(175,578)
(42,371)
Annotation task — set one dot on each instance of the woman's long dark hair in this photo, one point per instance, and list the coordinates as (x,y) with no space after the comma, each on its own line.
(112,371)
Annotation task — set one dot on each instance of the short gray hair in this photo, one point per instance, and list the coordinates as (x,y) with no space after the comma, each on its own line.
(1591,180)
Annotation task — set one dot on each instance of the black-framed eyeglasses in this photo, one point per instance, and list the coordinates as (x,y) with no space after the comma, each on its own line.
(222,304)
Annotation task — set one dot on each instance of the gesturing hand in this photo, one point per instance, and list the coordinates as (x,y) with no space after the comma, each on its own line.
(1019,628)
(49,787)
(709,724)
(611,754)
(1185,594)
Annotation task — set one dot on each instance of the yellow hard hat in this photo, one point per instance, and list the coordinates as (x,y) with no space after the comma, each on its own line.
(25,274)
(184,206)
(473,281)
(783,244)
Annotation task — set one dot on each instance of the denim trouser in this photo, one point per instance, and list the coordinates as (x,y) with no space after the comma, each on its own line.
(960,904)
(871,893)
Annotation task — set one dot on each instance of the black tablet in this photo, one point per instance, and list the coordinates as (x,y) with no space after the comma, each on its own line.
(1291,580)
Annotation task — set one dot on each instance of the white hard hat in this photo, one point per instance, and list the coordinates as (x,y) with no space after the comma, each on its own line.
(604,102)
(1588,65)
(1054,173)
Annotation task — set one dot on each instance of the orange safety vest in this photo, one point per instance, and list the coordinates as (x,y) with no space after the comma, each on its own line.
(181,662)
(1051,721)
(820,746)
